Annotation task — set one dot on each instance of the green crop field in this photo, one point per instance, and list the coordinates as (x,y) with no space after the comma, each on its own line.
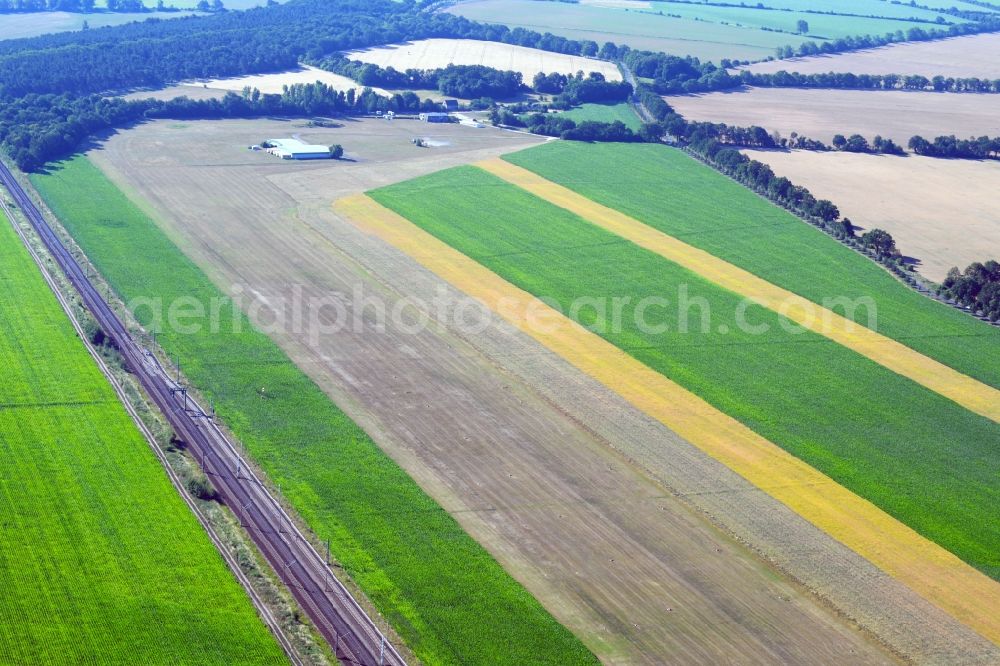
(605,113)
(847,416)
(100,559)
(672,192)
(638,29)
(448,598)
(706,31)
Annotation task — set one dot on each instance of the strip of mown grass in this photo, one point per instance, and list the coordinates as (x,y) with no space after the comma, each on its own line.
(919,456)
(100,559)
(672,192)
(448,598)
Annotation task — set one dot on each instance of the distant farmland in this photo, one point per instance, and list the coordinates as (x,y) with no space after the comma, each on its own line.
(846,416)
(705,31)
(941,212)
(822,113)
(434,53)
(101,559)
(605,113)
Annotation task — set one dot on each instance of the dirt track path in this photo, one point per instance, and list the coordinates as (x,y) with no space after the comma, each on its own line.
(526,452)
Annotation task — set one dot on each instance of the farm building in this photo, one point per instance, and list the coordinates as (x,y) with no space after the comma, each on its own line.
(435,117)
(450,105)
(293,149)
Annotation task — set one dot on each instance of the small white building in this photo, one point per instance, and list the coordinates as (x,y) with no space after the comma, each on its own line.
(293,149)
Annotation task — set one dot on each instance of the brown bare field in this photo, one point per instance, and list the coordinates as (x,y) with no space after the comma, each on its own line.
(434,53)
(820,114)
(972,55)
(941,212)
(622,529)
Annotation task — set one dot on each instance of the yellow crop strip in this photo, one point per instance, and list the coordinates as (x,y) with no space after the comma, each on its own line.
(962,389)
(931,571)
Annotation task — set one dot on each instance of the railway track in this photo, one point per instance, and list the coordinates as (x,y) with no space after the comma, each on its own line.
(352,634)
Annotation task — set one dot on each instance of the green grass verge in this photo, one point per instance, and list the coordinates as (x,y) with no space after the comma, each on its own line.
(670,191)
(605,113)
(448,598)
(919,456)
(100,559)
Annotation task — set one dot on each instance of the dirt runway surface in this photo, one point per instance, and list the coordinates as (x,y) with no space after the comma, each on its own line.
(820,114)
(969,56)
(600,512)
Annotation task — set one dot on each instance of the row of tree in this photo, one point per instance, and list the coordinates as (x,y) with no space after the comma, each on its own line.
(976,148)
(717,145)
(977,288)
(466,81)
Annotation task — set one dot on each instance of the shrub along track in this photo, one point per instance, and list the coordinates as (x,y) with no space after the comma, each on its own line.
(927,568)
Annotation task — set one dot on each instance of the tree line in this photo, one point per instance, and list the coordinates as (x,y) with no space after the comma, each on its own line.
(62,78)
(783,79)
(977,288)
(38,128)
(978,22)
(466,81)
(975,148)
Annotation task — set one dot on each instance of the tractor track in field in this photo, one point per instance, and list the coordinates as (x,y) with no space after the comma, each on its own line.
(351,633)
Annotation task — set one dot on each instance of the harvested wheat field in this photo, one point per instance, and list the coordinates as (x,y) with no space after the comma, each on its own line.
(972,55)
(434,53)
(941,212)
(599,510)
(820,114)
(273,83)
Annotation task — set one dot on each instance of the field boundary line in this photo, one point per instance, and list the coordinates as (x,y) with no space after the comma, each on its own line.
(931,571)
(262,609)
(959,388)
